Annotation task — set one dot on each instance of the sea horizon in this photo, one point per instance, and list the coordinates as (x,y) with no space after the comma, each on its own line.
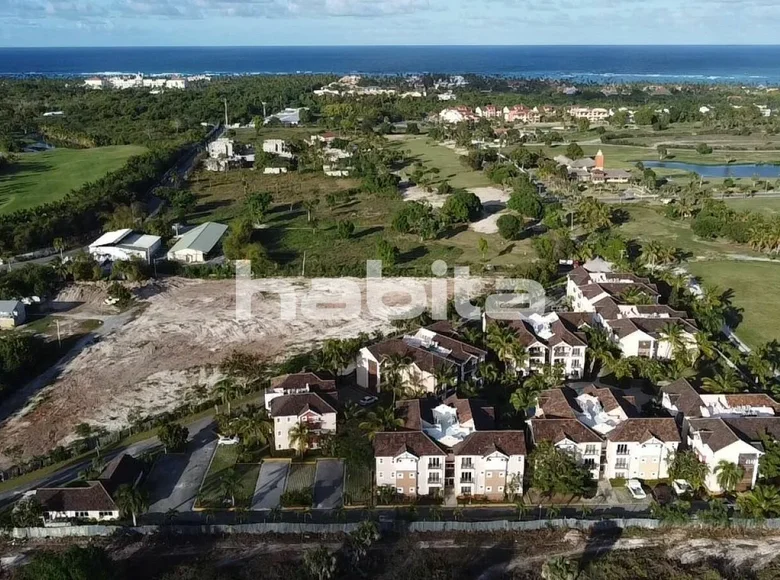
(754,64)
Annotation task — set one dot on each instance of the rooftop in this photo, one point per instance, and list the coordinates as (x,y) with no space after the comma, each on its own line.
(91,498)
(298,404)
(202,238)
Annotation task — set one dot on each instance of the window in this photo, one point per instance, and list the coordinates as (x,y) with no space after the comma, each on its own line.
(489,474)
(392,474)
(590,463)
(400,489)
(400,475)
(411,475)
(621,463)
(590,450)
(82,514)
(465,490)
(622,449)
(575,352)
(105,514)
(575,363)
(381,461)
(380,475)
(411,490)
(500,488)
(488,488)
(289,419)
(434,463)
(466,464)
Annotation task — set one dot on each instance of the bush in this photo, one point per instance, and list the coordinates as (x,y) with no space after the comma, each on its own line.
(703,149)
(526,204)
(122,295)
(412,129)
(462,206)
(298,498)
(509,227)
(345,229)
(173,437)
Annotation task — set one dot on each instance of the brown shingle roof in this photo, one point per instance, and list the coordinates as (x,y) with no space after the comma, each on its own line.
(556,430)
(751,429)
(554,404)
(683,396)
(124,469)
(714,433)
(415,411)
(752,400)
(484,443)
(301,380)
(604,395)
(425,360)
(393,444)
(295,405)
(643,429)
(93,498)
(651,326)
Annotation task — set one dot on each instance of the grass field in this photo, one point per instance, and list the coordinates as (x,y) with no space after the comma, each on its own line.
(755,292)
(445,159)
(358,485)
(648,223)
(47,176)
(225,458)
(765,205)
(301,476)
(288,234)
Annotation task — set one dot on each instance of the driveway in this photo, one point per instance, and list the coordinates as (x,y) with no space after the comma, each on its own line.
(328,484)
(270,485)
(175,479)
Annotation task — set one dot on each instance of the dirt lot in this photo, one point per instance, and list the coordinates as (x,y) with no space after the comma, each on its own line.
(162,356)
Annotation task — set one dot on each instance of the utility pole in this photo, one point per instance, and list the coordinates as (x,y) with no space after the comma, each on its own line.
(264,113)
(226,114)
(303,266)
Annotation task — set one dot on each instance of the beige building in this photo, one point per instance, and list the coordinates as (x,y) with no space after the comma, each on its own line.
(410,462)
(571,436)
(490,464)
(641,448)
(288,411)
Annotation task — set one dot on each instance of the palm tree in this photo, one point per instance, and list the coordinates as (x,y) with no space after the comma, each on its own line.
(521,509)
(445,378)
(383,419)
(502,341)
(729,475)
(760,367)
(619,366)
(392,366)
(488,372)
(229,484)
(600,348)
(523,399)
(226,390)
(634,295)
(726,381)
(131,500)
(762,502)
(300,437)
(704,345)
(310,205)
(559,568)
(673,334)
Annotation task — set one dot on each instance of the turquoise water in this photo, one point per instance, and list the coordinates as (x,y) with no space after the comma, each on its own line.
(735,170)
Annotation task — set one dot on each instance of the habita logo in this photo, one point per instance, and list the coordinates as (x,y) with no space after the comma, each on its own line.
(347,298)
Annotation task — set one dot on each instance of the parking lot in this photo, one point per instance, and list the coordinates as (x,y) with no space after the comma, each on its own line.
(329,484)
(175,479)
(270,485)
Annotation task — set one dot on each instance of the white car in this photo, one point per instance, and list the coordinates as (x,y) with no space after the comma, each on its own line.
(367,400)
(635,489)
(681,487)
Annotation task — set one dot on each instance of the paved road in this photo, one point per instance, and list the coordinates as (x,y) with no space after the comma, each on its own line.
(270,485)
(328,484)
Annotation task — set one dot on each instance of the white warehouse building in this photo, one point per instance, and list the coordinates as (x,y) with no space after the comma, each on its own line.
(125,245)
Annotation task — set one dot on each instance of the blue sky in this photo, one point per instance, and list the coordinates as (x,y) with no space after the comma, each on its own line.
(348,22)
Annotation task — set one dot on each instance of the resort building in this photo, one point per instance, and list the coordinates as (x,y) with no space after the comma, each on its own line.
(125,245)
(641,448)
(305,409)
(571,436)
(427,357)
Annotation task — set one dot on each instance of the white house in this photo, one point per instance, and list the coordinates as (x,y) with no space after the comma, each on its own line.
(221,148)
(429,353)
(95,83)
(572,436)
(456,115)
(735,440)
(489,112)
(91,502)
(296,384)
(289,411)
(125,245)
(196,245)
(522,113)
(641,448)
(409,462)
(592,114)
(12,313)
(277,147)
(490,464)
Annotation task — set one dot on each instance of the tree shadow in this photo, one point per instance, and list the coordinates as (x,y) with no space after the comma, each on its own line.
(413,254)
(367,232)
(601,540)
(507,250)
(452,231)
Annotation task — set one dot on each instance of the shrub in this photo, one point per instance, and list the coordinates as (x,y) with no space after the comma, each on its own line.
(703,149)
(462,206)
(298,498)
(509,227)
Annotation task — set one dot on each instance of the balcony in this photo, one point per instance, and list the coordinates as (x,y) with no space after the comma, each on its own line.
(434,478)
(466,478)
(434,465)
(466,464)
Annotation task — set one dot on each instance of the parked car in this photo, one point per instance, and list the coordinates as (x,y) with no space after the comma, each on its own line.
(681,487)
(367,400)
(635,489)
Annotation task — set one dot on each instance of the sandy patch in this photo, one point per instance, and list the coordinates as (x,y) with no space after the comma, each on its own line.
(488,225)
(166,355)
(417,193)
(456,148)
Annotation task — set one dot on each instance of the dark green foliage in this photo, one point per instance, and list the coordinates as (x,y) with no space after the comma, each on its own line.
(173,437)
(298,498)
(345,229)
(462,206)
(555,471)
(574,151)
(28,280)
(509,227)
(77,563)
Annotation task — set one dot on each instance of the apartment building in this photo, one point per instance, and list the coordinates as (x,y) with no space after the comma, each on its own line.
(456,115)
(489,112)
(570,435)
(552,339)
(490,464)
(683,401)
(598,408)
(410,462)
(736,440)
(428,354)
(592,114)
(522,113)
(641,448)
(300,383)
(309,409)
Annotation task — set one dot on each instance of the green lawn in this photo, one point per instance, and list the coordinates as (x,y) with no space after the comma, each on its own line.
(287,234)
(648,223)
(225,458)
(301,476)
(47,176)
(358,484)
(755,287)
(766,205)
(445,159)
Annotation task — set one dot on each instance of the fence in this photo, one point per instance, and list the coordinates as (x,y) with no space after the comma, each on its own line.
(344,528)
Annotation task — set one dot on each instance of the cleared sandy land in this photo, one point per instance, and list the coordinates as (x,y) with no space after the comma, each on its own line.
(166,354)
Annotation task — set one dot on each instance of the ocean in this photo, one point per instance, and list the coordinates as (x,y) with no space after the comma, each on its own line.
(669,64)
